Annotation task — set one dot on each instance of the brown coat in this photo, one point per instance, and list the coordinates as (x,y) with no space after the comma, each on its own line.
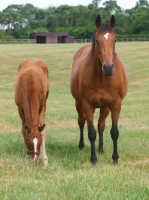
(31,92)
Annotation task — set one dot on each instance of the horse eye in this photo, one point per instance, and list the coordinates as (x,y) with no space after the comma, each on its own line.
(27,142)
(97,41)
(115,40)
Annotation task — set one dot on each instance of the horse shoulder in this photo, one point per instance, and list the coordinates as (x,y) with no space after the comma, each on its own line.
(81,53)
(77,68)
(123,74)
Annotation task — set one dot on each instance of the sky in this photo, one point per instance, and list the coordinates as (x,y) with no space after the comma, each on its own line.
(125,4)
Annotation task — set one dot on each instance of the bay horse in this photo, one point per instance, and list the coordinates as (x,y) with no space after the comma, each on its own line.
(99,79)
(31,92)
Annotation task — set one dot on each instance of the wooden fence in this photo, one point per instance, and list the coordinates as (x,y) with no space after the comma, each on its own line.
(118,40)
(17,41)
(31,41)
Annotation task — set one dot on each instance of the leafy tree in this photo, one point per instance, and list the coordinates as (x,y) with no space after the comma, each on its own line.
(78,21)
(121,27)
(96,3)
(40,18)
(140,21)
(52,19)
(142,3)
(12,17)
(111,7)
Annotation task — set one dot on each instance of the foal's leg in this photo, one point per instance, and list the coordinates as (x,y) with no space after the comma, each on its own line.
(21,114)
(42,148)
(88,110)
(101,126)
(24,137)
(114,129)
(81,122)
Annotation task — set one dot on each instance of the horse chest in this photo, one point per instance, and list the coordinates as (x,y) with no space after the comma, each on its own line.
(101,97)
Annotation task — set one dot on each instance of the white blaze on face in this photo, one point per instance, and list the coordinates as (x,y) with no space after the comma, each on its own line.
(35,141)
(106,35)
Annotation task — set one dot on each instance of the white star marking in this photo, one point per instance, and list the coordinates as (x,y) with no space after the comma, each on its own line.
(35,141)
(106,35)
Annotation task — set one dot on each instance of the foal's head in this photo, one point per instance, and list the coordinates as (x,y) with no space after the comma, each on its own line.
(104,44)
(34,141)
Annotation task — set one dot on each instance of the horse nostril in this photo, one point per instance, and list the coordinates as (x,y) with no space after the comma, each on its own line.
(104,66)
(112,67)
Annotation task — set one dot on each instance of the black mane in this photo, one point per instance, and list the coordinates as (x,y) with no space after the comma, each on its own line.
(104,27)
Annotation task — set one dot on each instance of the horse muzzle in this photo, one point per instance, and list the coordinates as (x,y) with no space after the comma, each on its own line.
(107,69)
(34,156)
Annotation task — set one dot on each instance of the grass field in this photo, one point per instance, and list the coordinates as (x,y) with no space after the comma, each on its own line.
(70,175)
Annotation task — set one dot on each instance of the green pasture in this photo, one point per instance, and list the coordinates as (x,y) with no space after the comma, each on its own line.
(70,175)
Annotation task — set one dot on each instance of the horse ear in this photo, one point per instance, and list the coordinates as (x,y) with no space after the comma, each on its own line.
(98,21)
(41,128)
(112,21)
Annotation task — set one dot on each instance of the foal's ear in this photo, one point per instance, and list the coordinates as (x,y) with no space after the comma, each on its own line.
(41,128)
(112,21)
(98,21)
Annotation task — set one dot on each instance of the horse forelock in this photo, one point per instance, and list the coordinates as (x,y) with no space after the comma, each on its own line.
(105,27)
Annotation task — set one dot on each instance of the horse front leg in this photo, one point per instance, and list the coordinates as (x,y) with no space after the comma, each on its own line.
(43,150)
(92,138)
(22,116)
(115,111)
(114,135)
(24,137)
(43,135)
(81,122)
(88,110)
(81,142)
(101,126)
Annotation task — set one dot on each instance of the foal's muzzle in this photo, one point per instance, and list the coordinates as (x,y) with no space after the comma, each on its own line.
(107,69)
(34,156)
(32,152)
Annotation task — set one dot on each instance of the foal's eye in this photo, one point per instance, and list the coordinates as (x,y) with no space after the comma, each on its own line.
(27,142)
(115,40)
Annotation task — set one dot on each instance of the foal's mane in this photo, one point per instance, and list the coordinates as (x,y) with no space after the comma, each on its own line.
(103,28)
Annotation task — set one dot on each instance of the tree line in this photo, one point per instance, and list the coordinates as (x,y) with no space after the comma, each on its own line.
(18,21)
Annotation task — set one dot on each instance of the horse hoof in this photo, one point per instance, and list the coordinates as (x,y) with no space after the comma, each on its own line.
(93,160)
(45,162)
(81,146)
(115,162)
(101,151)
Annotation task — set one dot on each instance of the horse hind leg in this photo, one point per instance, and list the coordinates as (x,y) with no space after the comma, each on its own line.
(101,126)
(81,122)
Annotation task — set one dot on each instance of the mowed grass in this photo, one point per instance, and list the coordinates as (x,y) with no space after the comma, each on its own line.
(70,175)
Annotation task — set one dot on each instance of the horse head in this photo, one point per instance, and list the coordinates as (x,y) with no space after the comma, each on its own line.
(34,141)
(104,43)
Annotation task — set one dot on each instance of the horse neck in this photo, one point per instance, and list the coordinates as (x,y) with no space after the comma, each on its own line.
(96,65)
(31,112)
